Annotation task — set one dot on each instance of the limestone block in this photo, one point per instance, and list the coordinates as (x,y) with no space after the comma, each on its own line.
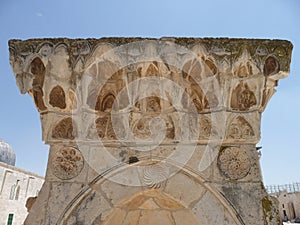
(211,212)
(61,194)
(117,192)
(38,212)
(91,210)
(184,189)
(246,198)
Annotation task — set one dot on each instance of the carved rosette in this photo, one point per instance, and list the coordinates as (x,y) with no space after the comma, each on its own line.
(67,163)
(234,163)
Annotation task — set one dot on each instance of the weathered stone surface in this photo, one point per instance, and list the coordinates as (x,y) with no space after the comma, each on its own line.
(176,187)
(67,163)
(64,129)
(57,97)
(234,162)
(151,131)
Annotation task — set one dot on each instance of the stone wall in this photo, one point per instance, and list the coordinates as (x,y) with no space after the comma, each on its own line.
(289,205)
(151,131)
(16,186)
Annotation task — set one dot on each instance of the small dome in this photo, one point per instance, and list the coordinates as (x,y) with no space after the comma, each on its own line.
(7,154)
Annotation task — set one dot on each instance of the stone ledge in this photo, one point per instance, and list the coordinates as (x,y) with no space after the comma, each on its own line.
(220,47)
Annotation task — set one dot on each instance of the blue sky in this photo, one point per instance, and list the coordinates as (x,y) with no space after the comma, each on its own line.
(274,19)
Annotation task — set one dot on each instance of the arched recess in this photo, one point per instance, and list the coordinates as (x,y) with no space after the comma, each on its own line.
(38,69)
(150,207)
(107,103)
(185,191)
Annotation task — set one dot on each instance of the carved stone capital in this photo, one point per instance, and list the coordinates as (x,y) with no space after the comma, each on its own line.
(137,124)
(192,75)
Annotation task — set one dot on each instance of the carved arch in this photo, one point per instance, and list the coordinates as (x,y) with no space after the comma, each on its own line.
(107,102)
(45,48)
(91,197)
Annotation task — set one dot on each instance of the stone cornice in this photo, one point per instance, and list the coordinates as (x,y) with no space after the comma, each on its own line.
(221,48)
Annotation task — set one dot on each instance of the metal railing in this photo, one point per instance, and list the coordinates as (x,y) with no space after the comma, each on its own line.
(294,187)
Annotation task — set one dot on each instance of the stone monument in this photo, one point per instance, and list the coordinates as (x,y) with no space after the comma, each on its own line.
(151,131)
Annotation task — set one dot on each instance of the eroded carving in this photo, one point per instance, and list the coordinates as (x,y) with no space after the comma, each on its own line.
(142,128)
(57,97)
(195,100)
(103,128)
(170,128)
(38,70)
(210,100)
(110,130)
(73,100)
(67,163)
(102,98)
(239,128)
(192,69)
(210,66)
(153,104)
(65,129)
(101,125)
(242,98)
(149,127)
(244,70)
(271,65)
(198,99)
(234,163)
(107,103)
(152,69)
(206,128)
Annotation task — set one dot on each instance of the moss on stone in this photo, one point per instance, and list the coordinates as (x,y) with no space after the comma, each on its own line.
(267,210)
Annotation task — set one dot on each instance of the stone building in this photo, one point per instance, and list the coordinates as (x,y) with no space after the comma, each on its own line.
(16,186)
(289,206)
(288,197)
(151,131)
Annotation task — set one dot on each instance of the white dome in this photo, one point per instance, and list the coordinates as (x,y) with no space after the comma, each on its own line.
(7,154)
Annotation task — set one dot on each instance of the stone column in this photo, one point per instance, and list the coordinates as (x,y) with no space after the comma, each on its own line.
(151,131)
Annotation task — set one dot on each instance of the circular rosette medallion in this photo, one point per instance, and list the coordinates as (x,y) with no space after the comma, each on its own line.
(67,163)
(234,163)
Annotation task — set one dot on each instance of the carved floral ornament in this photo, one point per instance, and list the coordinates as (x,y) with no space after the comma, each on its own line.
(234,163)
(67,163)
